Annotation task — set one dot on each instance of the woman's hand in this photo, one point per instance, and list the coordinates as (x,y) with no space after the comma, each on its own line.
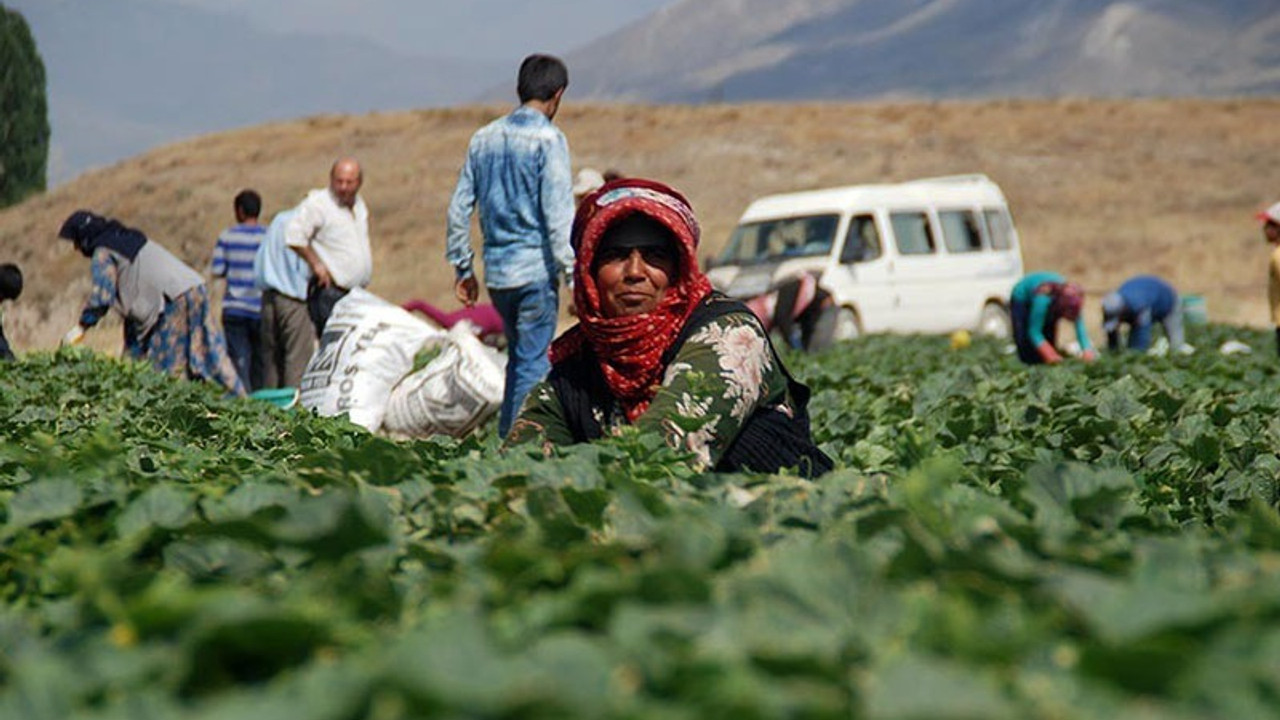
(1048,354)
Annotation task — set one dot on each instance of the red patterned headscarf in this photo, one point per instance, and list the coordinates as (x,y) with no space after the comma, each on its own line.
(630,348)
(1068,301)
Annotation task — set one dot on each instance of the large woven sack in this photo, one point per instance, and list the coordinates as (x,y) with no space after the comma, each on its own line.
(367,346)
(454,394)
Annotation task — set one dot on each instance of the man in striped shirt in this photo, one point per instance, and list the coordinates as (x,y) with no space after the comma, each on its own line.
(242,304)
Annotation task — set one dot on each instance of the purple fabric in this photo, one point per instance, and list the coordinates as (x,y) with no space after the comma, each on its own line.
(484,317)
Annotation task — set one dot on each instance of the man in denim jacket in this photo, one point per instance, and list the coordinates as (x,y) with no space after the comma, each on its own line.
(517,176)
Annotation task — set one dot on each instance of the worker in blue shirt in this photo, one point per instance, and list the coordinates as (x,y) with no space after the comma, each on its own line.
(1141,302)
(1037,303)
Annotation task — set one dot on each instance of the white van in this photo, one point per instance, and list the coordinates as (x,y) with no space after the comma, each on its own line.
(932,256)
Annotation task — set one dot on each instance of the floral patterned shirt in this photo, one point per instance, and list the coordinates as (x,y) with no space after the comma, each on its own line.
(723,374)
(105,294)
(106,273)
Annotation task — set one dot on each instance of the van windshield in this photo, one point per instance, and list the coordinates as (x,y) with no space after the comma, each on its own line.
(780,239)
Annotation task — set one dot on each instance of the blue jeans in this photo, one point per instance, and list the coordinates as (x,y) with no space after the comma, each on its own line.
(1140,331)
(242,345)
(529,321)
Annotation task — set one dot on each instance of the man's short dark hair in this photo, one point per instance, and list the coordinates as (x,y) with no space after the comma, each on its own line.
(249,203)
(10,282)
(541,77)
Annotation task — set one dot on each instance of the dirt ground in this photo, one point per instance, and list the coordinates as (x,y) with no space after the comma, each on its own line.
(1100,190)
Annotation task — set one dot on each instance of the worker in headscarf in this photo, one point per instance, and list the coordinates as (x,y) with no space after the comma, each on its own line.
(1038,301)
(655,348)
(164,303)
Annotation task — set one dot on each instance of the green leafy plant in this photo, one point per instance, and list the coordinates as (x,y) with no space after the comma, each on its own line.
(997,541)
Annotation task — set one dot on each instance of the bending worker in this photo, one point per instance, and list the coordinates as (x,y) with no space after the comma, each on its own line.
(164,303)
(10,289)
(655,348)
(1140,302)
(800,310)
(1037,303)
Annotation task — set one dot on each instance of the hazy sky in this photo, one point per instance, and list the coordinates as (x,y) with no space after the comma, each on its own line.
(112,84)
(468,29)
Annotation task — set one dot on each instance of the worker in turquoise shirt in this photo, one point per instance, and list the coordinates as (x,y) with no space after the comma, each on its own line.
(1037,303)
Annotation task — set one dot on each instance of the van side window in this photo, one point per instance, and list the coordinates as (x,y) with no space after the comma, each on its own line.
(960,231)
(912,234)
(863,241)
(999,228)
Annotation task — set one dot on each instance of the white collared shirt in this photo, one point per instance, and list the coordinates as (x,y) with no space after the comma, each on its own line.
(339,235)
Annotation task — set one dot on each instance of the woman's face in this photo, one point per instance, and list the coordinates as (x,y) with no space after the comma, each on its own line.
(631,280)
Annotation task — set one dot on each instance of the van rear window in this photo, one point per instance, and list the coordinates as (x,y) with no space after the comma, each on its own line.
(780,239)
(999,228)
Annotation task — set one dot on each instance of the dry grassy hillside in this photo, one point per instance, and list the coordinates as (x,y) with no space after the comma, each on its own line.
(1100,189)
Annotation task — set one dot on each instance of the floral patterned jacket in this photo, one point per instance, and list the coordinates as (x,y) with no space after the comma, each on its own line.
(724,375)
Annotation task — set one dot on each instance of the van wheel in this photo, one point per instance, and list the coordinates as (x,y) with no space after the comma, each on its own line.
(994,321)
(848,326)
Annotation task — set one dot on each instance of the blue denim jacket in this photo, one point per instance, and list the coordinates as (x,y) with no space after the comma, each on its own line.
(517,175)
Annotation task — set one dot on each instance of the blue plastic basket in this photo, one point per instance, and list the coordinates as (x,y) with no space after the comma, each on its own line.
(1195,310)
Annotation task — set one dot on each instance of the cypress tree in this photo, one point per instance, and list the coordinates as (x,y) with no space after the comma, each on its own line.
(24,115)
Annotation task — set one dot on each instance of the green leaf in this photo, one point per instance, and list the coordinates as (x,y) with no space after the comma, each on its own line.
(164,507)
(919,687)
(44,500)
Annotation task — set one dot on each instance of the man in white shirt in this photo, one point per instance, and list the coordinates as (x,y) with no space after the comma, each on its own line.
(331,232)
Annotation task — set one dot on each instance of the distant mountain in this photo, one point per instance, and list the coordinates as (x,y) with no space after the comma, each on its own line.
(735,50)
(127,75)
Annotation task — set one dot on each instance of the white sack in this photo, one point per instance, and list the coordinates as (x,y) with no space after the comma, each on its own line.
(454,394)
(367,346)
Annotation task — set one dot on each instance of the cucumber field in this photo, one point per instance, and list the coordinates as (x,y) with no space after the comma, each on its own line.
(1081,541)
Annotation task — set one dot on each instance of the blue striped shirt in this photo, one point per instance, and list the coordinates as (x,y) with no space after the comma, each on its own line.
(233,259)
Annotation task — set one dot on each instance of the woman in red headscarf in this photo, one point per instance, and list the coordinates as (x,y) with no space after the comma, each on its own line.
(654,347)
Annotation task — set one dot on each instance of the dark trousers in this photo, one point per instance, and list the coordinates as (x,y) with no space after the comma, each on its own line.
(320,302)
(1020,313)
(802,331)
(242,345)
(7,354)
